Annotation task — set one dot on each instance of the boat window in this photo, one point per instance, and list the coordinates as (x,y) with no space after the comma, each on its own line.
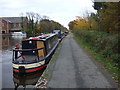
(26,56)
(30,51)
(40,44)
(50,43)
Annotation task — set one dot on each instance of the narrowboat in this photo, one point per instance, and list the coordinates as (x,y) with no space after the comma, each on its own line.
(59,33)
(34,53)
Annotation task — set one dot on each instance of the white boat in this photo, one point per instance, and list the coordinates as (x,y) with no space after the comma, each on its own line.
(18,34)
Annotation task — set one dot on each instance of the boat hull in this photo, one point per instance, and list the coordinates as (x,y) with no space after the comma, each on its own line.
(28,68)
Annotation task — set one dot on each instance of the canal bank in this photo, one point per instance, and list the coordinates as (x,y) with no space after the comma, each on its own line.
(47,74)
(73,68)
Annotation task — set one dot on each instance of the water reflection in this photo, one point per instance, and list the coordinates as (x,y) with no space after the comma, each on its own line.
(23,81)
(8,42)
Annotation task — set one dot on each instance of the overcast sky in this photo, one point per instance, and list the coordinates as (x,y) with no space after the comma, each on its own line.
(62,11)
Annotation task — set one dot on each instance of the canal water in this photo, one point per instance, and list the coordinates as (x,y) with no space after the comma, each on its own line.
(9,79)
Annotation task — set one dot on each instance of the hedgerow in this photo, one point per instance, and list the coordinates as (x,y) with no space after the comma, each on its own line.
(102,43)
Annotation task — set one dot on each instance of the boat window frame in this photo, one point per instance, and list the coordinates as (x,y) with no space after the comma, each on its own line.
(20,50)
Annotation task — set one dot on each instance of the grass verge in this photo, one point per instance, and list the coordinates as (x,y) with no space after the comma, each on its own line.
(109,65)
(49,70)
(47,74)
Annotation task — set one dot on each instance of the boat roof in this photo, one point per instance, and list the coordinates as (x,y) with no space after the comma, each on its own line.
(43,37)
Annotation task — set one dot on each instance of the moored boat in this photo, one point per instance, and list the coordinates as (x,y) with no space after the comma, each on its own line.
(34,54)
(17,34)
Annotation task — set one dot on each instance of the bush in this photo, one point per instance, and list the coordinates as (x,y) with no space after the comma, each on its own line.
(101,42)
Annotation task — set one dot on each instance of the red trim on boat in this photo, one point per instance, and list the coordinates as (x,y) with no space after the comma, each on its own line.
(31,70)
(34,69)
(16,70)
(34,37)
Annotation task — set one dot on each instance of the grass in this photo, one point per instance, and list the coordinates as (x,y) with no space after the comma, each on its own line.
(109,65)
(49,69)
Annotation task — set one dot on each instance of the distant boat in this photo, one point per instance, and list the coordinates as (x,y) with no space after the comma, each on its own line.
(17,34)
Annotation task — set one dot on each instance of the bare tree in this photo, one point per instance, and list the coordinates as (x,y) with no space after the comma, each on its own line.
(31,16)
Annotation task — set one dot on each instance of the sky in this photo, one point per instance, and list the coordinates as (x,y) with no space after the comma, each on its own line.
(62,11)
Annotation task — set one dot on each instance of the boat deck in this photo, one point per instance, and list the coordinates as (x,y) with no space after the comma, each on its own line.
(29,58)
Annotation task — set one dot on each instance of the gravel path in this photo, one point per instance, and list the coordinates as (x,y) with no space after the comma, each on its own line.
(76,69)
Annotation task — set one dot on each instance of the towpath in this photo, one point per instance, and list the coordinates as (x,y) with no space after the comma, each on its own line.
(74,68)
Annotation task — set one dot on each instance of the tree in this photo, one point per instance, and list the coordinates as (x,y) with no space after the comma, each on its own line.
(108,16)
(99,5)
(41,24)
(31,16)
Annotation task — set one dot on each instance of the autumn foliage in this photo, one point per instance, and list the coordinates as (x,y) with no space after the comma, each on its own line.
(100,30)
(41,24)
(106,19)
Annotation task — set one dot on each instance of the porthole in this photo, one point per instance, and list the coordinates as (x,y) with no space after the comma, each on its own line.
(30,42)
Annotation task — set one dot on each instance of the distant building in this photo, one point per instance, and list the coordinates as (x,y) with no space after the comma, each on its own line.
(12,24)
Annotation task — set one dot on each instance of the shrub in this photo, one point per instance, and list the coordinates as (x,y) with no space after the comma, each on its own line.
(101,42)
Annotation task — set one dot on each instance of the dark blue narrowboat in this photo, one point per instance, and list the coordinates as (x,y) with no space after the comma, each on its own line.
(34,53)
